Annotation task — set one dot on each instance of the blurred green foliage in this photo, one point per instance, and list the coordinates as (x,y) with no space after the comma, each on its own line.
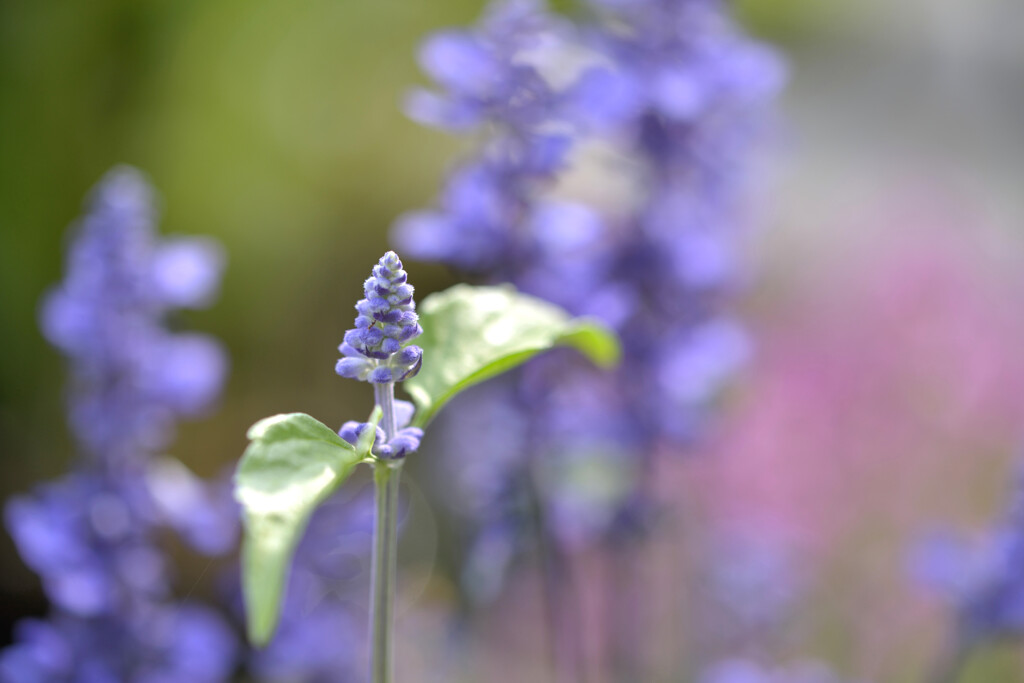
(273,126)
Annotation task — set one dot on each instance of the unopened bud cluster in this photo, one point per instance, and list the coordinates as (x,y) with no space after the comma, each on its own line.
(376,351)
(406,441)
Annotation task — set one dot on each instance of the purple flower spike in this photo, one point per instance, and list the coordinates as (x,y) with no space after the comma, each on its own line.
(481,74)
(92,535)
(679,97)
(133,376)
(375,349)
(460,63)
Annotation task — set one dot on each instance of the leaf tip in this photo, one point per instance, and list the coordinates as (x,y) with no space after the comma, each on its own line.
(596,340)
(376,415)
(261,591)
(259,637)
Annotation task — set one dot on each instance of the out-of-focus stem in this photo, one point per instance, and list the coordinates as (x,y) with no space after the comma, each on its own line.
(386,477)
(951,661)
(564,648)
(549,594)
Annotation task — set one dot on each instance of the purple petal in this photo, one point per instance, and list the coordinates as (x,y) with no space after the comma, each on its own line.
(187,271)
(459,62)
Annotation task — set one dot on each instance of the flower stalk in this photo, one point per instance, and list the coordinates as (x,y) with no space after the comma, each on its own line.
(377,350)
(386,477)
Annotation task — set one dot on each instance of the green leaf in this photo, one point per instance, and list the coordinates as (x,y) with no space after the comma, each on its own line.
(474,333)
(292,464)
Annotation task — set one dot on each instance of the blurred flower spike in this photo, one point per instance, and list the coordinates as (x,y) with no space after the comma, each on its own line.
(92,536)
(131,376)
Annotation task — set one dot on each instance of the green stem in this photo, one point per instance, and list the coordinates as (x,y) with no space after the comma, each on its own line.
(386,477)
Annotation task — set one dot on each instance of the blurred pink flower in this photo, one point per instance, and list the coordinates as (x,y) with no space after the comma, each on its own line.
(886,395)
(887,379)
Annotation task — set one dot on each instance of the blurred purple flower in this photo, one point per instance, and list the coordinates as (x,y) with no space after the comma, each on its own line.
(87,537)
(488,82)
(681,96)
(482,73)
(745,671)
(752,584)
(132,378)
(205,514)
(186,271)
(983,581)
(92,536)
(163,644)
